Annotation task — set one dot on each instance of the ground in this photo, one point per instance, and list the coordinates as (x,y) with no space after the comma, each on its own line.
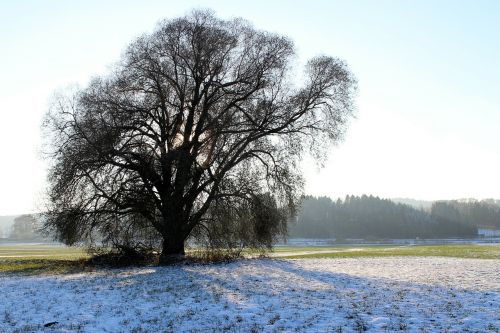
(44,258)
(382,294)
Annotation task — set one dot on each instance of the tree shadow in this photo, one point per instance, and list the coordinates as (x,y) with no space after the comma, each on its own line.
(260,295)
(334,299)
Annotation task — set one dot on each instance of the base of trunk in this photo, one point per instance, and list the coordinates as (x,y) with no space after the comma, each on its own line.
(171,259)
(172,253)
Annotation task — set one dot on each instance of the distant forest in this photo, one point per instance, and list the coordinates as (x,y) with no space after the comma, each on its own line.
(20,228)
(366,217)
(371,217)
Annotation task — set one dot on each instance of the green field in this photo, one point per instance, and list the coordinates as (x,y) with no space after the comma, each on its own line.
(13,252)
(40,259)
(448,250)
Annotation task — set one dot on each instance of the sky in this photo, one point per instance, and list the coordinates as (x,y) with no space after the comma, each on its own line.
(427,124)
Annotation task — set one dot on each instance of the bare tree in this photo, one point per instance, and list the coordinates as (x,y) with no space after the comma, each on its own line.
(25,228)
(198,130)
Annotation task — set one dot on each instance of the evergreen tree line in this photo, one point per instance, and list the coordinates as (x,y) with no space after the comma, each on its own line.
(480,214)
(372,217)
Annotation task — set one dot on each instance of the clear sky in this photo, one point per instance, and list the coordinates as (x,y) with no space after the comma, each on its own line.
(428,118)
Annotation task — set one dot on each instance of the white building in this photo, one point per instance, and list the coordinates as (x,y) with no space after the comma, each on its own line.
(488,232)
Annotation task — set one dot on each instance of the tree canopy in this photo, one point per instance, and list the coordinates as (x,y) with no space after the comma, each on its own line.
(25,227)
(196,132)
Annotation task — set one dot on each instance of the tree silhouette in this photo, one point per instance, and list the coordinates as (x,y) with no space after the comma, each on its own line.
(196,131)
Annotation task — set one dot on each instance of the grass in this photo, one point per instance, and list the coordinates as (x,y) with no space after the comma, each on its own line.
(43,266)
(49,259)
(13,252)
(40,259)
(449,250)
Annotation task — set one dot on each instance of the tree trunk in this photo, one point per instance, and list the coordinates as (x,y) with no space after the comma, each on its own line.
(172,251)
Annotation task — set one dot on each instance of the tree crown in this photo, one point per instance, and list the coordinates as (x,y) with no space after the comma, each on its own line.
(198,125)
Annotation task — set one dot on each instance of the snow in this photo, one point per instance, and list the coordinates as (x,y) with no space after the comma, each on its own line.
(426,294)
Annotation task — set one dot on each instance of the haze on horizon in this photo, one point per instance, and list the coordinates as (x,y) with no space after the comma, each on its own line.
(428,119)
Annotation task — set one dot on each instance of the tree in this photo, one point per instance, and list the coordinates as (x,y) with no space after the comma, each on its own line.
(197,131)
(24,228)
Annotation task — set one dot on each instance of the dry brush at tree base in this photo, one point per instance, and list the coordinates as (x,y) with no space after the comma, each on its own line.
(195,134)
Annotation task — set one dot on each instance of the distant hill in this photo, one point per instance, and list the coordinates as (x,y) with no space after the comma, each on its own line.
(414,202)
(427,204)
(6,223)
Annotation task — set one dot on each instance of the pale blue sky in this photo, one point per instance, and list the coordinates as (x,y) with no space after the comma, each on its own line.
(428,120)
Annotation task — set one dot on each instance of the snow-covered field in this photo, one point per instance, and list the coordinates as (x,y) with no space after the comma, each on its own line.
(263,295)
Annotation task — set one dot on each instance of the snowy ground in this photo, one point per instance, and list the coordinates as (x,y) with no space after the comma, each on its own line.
(324,295)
